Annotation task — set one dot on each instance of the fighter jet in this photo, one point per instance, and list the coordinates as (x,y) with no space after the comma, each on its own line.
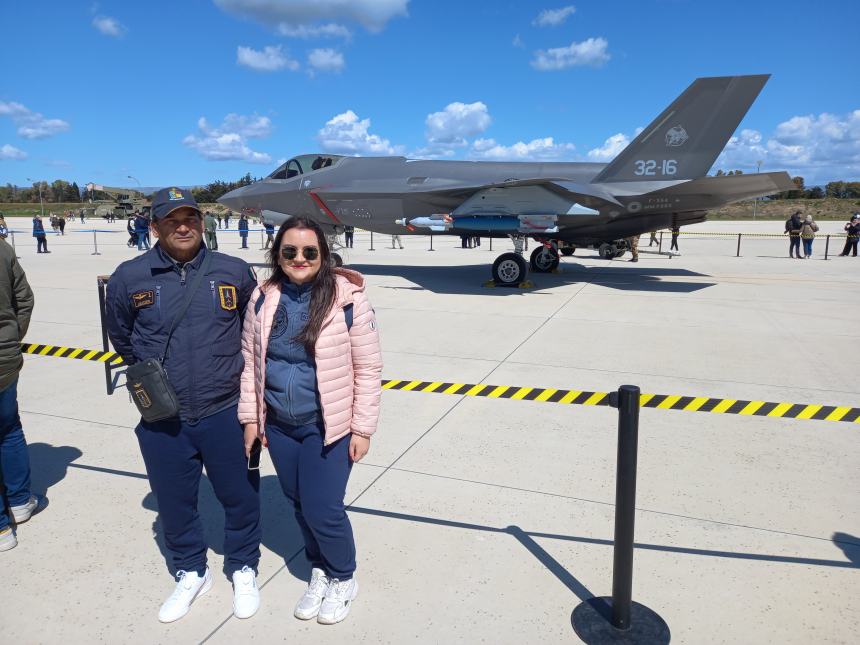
(659,180)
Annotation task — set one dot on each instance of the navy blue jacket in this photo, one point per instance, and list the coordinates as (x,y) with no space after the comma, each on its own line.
(204,361)
(243,227)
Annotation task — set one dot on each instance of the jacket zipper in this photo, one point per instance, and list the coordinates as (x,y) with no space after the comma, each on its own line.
(214,301)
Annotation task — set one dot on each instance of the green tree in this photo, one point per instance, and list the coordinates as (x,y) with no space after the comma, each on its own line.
(816,192)
(835,189)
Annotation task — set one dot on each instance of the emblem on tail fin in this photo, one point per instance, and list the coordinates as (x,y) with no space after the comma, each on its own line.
(676,136)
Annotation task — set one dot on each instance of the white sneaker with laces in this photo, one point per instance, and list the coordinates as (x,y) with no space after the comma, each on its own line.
(338,600)
(189,587)
(309,604)
(25,511)
(246,595)
(7,539)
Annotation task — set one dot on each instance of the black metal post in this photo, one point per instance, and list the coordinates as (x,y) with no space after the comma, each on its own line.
(371,242)
(618,619)
(739,246)
(660,244)
(826,247)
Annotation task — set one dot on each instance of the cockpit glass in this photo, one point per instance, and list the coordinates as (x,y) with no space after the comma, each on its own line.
(304,164)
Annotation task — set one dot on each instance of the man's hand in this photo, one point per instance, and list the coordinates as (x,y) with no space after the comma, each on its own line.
(358,447)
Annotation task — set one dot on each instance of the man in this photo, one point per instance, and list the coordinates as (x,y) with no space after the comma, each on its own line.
(793,226)
(653,239)
(144,296)
(852,232)
(243,230)
(16,305)
(676,231)
(348,236)
(270,234)
(40,235)
(395,239)
(141,231)
(218,215)
(227,219)
(633,243)
(211,234)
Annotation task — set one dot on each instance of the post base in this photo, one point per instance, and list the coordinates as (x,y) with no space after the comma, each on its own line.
(591,622)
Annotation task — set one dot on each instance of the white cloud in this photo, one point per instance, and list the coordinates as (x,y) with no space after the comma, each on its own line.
(11,152)
(456,122)
(347,134)
(32,125)
(293,14)
(109,26)
(326,60)
(228,142)
(270,59)
(518,42)
(610,148)
(545,149)
(590,52)
(820,148)
(327,30)
(553,17)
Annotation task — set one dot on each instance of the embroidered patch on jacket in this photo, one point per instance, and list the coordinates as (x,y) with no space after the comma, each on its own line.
(143,299)
(227,293)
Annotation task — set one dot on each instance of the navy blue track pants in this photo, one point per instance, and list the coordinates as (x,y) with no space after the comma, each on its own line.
(314,477)
(174,453)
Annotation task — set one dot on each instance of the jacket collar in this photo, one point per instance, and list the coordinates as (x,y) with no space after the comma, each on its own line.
(160,261)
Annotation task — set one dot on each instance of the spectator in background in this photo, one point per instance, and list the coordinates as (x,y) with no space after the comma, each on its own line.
(243,230)
(653,239)
(348,236)
(55,224)
(852,228)
(210,230)
(218,216)
(633,243)
(807,234)
(395,239)
(227,219)
(270,234)
(793,226)
(4,228)
(676,231)
(141,231)
(82,216)
(132,235)
(61,222)
(39,234)
(16,305)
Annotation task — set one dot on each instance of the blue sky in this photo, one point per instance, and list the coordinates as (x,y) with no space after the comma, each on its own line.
(191,91)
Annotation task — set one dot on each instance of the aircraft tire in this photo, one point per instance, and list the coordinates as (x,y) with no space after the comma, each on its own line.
(567,251)
(543,260)
(336,260)
(607,251)
(509,268)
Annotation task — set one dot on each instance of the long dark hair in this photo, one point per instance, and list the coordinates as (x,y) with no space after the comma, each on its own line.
(324,287)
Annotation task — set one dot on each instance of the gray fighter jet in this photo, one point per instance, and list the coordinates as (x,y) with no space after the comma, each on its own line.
(659,180)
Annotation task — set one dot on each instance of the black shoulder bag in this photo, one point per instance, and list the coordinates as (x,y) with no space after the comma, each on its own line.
(147,381)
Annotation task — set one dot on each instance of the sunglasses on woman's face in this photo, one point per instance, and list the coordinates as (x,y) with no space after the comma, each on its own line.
(309,253)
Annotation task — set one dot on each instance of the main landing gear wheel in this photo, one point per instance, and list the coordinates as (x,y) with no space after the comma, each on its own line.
(509,268)
(567,251)
(607,251)
(544,259)
(336,260)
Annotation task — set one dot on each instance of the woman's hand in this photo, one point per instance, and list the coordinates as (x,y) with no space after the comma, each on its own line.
(252,433)
(358,447)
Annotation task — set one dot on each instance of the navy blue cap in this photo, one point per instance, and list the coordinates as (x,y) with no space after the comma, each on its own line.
(167,200)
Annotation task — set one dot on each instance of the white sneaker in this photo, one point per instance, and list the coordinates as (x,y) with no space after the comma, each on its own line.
(309,604)
(7,539)
(189,587)
(338,600)
(246,596)
(25,511)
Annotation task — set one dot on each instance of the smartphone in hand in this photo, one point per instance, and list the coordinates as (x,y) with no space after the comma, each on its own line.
(254,457)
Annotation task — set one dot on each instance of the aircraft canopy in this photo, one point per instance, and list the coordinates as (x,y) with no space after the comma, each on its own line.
(303,165)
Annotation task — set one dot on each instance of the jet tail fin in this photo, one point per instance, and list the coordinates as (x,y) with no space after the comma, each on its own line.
(685,140)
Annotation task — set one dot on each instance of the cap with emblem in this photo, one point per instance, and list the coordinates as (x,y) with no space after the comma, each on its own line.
(167,200)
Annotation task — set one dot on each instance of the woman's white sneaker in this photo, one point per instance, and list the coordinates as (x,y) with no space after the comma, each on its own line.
(246,595)
(189,587)
(338,600)
(7,540)
(24,512)
(309,604)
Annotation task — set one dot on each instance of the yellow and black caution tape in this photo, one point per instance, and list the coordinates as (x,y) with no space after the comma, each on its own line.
(658,401)
(72,352)
(550,395)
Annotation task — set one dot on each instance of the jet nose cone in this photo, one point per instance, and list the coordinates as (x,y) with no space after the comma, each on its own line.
(235,199)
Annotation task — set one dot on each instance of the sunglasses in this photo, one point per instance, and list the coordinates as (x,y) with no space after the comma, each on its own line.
(309,253)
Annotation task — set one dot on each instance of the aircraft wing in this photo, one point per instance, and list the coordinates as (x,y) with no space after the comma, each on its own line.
(732,188)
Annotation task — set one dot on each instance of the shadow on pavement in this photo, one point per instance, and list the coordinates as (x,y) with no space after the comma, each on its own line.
(49,465)
(469,279)
(850,545)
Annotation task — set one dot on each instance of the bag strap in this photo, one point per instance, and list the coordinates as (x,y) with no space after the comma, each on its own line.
(347,315)
(197,280)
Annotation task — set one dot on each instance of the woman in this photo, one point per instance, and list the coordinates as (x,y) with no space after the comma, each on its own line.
(807,233)
(243,230)
(39,234)
(310,391)
(852,230)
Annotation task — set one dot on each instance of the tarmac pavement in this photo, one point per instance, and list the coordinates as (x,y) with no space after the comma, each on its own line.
(490,520)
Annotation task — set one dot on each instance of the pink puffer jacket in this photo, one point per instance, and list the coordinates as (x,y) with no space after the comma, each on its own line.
(348,362)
